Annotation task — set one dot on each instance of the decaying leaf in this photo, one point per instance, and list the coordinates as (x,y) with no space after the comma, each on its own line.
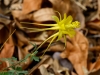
(62,6)
(31,6)
(87,12)
(7,51)
(3,30)
(93,26)
(39,15)
(76,52)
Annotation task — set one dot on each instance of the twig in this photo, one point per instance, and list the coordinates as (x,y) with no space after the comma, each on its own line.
(7,39)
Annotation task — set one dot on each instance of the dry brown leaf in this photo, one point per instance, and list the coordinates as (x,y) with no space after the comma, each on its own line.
(93,32)
(23,48)
(95,48)
(8,49)
(81,4)
(43,70)
(20,15)
(62,6)
(3,31)
(95,72)
(52,68)
(31,5)
(94,56)
(95,65)
(97,15)
(22,38)
(79,15)
(76,52)
(2,65)
(93,26)
(45,58)
(22,52)
(58,46)
(27,7)
(44,14)
(58,68)
(7,52)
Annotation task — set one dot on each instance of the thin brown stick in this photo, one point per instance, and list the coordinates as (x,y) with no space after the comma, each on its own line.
(7,39)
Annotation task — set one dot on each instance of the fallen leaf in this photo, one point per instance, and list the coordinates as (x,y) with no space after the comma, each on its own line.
(31,5)
(76,52)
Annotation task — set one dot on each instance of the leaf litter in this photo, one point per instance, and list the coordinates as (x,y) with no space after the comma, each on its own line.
(79,56)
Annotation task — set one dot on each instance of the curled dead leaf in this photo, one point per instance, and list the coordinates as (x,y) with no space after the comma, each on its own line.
(76,52)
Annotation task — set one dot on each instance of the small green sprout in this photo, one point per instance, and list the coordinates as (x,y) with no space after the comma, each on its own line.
(63,27)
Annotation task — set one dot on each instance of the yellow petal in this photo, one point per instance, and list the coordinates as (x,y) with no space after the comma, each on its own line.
(69,19)
(76,24)
(55,18)
(59,36)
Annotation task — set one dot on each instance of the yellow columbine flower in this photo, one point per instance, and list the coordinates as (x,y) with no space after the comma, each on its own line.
(63,27)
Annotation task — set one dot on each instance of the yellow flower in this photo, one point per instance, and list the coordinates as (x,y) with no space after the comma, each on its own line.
(63,27)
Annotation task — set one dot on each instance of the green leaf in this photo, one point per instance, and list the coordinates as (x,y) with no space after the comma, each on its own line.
(18,68)
(14,59)
(35,58)
(35,52)
(34,45)
(28,55)
(7,59)
(11,60)
(23,60)
(6,73)
(15,72)
(22,72)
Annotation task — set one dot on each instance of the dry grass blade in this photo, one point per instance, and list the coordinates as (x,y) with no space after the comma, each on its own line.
(7,39)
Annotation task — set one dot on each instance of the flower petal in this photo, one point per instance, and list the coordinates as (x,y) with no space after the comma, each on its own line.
(70,32)
(60,35)
(69,19)
(55,18)
(76,24)
(63,21)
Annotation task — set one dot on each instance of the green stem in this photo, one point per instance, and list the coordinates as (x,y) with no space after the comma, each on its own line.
(37,30)
(59,15)
(38,24)
(47,39)
(48,45)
